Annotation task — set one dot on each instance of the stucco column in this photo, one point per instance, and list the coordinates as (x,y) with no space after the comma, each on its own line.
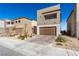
(58,30)
(37,30)
(77,20)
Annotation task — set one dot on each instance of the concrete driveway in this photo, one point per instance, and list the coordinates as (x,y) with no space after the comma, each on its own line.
(35,47)
(42,39)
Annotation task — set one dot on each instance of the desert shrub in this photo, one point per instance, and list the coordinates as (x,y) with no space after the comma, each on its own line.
(31,35)
(14,28)
(21,37)
(59,44)
(25,35)
(60,39)
(12,35)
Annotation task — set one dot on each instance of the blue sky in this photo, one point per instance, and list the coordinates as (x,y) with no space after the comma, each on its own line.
(13,11)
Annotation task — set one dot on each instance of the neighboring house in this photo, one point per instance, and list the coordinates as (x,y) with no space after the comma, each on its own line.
(48,21)
(73,22)
(18,26)
(8,26)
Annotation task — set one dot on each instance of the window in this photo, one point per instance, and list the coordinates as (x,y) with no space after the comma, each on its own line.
(16,21)
(50,16)
(12,22)
(19,21)
(8,22)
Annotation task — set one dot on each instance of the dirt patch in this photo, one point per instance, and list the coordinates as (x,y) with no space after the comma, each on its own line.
(71,43)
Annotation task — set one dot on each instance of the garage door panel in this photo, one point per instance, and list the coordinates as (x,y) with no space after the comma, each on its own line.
(48,31)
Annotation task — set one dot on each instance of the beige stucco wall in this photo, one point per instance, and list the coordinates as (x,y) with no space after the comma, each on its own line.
(71,24)
(77,17)
(29,29)
(25,24)
(40,17)
(34,23)
(22,20)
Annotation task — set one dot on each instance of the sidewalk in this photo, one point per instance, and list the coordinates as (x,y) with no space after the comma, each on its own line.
(33,49)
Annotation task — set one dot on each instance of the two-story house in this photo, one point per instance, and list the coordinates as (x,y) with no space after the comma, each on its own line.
(71,24)
(18,26)
(48,21)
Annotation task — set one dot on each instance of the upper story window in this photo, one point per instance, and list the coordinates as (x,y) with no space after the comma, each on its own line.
(16,21)
(50,16)
(19,21)
(12,22)
(8,22)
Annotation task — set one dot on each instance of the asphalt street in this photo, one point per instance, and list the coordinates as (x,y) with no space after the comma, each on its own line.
(8,52)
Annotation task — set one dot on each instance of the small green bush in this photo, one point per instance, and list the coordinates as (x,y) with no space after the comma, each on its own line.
(60,39)
(59,44)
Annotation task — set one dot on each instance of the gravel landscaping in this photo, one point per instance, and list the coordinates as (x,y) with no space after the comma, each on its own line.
(71,43)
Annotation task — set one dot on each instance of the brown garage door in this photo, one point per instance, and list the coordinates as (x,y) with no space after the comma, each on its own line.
(19,31)
(47,30)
